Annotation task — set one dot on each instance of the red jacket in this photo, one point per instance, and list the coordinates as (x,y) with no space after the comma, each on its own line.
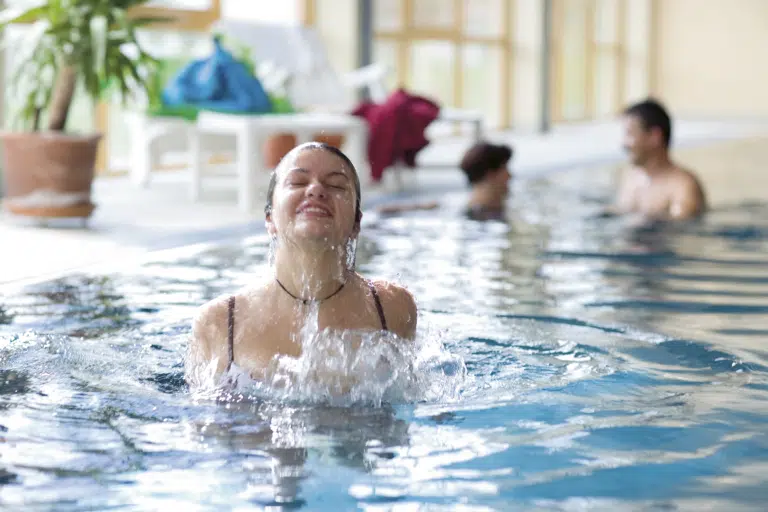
(396,129)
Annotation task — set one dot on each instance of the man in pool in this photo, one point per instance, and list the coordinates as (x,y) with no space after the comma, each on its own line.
(654,186)
(485,166)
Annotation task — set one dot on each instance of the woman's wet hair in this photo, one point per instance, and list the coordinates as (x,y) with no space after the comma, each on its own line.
(315,146)
(483,158)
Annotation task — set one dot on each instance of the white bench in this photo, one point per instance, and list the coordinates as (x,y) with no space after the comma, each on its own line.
(251,132)
(144,133)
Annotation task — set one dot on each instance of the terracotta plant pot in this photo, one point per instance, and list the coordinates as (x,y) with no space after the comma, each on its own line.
(277,146)
(335,140)
(49,174)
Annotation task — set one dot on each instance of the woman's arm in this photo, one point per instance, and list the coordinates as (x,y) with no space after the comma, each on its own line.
(207,356)
(399,309)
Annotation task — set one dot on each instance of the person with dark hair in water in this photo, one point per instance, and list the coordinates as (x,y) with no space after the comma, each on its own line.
(313,215)
(654,186)
(485,166)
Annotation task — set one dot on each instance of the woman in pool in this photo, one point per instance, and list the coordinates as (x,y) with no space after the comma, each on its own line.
(313,215)
(486,167)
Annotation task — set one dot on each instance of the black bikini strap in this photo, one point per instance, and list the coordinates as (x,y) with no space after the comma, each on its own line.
(379,308)
(231,330)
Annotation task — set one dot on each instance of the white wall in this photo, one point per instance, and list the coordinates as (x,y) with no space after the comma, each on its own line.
(273,11)
(711,57)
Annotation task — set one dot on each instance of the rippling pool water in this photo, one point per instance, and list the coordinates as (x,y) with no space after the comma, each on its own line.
(607,367)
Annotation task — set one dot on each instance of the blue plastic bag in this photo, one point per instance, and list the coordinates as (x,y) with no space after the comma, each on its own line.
(219,82)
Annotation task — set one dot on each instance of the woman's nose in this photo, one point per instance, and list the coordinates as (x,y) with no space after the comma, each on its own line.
(316,189)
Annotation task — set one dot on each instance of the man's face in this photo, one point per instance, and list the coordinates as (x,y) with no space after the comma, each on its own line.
(639,143)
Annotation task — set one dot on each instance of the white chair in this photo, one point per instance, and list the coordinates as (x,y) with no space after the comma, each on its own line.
(147,134)
(251,131)
(311,82)
(374,78)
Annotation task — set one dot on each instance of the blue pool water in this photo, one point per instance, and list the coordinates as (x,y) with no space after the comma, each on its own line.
(607,368)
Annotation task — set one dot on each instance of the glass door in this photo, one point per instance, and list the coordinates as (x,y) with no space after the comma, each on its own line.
(458,52)
(600,57)
(572,55)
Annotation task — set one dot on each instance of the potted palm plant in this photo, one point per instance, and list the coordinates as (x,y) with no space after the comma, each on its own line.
(89,45)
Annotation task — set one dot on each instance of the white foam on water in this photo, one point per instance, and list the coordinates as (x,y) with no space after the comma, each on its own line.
(349,367)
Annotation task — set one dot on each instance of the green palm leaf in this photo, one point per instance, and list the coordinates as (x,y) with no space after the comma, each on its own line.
(93,40)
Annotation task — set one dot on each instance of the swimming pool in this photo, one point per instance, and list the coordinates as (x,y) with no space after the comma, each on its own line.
(606,368)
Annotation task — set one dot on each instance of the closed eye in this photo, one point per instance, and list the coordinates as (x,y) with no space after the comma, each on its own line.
(337,183)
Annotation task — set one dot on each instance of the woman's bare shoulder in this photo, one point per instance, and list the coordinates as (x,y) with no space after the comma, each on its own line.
(214,309)
(399,307)
(214,314)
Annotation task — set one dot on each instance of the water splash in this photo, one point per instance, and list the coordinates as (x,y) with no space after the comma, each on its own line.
(351,253)
(340,367)
(272,251)
(345,367)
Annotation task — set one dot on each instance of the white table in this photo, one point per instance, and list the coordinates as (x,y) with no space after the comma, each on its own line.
(251,131)
(144,130)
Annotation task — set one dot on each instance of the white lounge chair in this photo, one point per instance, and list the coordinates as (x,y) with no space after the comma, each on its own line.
(373,78)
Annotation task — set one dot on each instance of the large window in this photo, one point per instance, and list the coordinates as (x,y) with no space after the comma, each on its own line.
(455,51)
(600,57)
(487,54)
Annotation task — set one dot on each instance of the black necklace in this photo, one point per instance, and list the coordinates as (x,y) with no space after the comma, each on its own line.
(307,301)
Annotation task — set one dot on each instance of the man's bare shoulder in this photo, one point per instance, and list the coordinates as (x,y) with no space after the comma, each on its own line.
(630,171)
(688,183)
(630,179)
(687,177)
(689,198)
(627,182)
(399,308)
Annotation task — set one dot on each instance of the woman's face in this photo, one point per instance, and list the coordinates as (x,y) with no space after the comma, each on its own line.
(314,199)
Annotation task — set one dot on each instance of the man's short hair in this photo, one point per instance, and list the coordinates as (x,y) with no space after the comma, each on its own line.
(652,114)
(483,158)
